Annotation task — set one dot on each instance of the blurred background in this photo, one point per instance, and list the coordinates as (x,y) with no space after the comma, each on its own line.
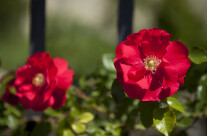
(81,31)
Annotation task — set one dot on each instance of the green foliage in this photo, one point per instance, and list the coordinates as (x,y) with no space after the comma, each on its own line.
(42,129)
(197,55)
(117,92)
(68,132)
(78,127)
(174,103)
(63,124)
(108,62)
(184,122)
(146,113)
(85,117)
(164,120)
(51,112)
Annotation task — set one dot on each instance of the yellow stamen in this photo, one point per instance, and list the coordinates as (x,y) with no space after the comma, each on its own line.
(38,80)
(151,63)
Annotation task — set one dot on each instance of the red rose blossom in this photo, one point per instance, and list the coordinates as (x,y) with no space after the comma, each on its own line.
(8,96)
(43,82)
(149,66)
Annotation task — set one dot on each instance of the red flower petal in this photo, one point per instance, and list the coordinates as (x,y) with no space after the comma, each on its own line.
(8,96)
(122,71)
(25,88)
(177,56)
(44,62)
(134,91)
(64,81)
(61,64)
(126,51)
(145,82)
(41,107)
(152,95)
(47,92)
(135,38)
(169,91)
(27,99)
(136,72)
(25,72)
(154,42)
(60,100)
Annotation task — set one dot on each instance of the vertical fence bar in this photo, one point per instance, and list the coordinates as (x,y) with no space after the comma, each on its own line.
(125,19)
(125,25)
(37,33)
(37,43)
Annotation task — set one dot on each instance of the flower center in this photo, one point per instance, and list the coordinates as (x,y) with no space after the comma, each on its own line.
(38,80)
(151,63)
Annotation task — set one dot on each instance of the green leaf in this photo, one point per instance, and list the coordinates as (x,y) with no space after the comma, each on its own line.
(74,112)
(53,113)
(85,117)
(4,81)
(202,89)
(184,122)
(117,92)
(11,110)
(174,103)
(108,62)
(42,129)
(146,113)
(78,127)
(13,90)
(68,132)
(62,125)
(12,122)
(139,126)
(197,55)
(164,120)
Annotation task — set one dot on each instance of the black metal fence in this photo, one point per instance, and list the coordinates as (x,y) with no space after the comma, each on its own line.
(37,33)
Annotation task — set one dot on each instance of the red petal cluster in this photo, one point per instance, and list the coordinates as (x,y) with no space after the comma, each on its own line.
(8,96)
(42,82)
(151,80)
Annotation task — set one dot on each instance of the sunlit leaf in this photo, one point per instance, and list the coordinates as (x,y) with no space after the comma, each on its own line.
(68,132)
(164,120)
(174,103)
(108,62)
(85,117)
(78,127)
(12,122)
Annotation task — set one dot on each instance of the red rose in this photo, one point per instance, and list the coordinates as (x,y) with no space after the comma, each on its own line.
(149,66)
(8,96)
(43,82)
